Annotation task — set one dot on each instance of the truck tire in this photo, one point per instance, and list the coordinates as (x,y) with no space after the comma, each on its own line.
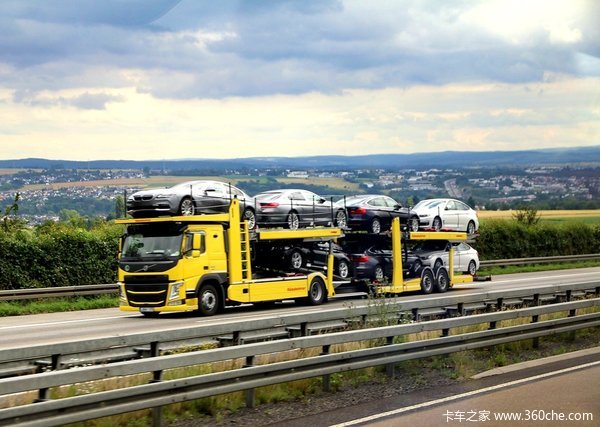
(442,281)
(317,293)
(209,300)
(427,280)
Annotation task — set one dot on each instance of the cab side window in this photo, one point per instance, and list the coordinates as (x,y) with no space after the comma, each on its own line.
(189,242)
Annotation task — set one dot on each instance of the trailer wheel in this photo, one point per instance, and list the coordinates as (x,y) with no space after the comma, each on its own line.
(209,300)
(442,282)
(427,280)
(317,294)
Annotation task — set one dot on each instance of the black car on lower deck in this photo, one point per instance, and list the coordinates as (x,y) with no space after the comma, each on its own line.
(374,213)
(295,257)
(374,261)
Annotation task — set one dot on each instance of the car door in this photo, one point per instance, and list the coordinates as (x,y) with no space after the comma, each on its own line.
(321,209)
(299,203)
(214,198)
(450,215)
(379,209)
(462,215)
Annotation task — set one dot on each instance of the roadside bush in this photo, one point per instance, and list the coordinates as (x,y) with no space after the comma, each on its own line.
(58,257)
(501,239)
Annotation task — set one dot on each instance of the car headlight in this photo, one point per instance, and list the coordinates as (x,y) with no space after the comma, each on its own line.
(164,196)
(423,215)
(175,288)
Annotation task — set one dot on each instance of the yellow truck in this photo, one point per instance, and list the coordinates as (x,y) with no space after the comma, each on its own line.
(203,263)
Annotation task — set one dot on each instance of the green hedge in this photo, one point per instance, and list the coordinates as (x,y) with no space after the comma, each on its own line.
(67,256)
(502,239)
(64,257)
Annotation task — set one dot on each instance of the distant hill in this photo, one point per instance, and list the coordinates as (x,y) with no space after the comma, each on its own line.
(385,161)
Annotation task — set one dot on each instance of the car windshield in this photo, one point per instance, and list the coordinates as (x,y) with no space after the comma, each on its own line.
(146,242)
(185,184)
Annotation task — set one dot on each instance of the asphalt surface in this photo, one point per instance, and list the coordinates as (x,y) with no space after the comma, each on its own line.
(22,331)
(539,392)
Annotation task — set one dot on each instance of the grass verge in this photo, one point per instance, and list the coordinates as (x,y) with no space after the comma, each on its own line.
(52,305)
(511,269)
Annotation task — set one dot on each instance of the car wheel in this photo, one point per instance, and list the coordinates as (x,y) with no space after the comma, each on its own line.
(442,282)
(208,300)
(437,223)
(471,228)
(343,270)
(250,216)
(417,267)
(293,221)
(413,224)
(186,207)
(472,268)
(296,260)
(340,219)
(438,264)
(375,226)
(317,294)
(378,273)
(427,281)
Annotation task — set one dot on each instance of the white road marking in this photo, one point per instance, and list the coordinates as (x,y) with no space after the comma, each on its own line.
(463,395)
(62,322)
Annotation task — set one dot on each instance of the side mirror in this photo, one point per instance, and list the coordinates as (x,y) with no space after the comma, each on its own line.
(196,245)
(398,206)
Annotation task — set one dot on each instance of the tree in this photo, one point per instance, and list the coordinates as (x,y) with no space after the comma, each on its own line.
(527,215)
(10,222)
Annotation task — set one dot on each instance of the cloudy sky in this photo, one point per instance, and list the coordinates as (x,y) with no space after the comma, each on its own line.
(167,79)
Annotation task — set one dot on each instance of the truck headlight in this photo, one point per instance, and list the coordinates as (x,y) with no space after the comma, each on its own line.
(175,287)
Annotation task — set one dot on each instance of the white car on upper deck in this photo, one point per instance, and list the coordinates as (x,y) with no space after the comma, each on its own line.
(447,214)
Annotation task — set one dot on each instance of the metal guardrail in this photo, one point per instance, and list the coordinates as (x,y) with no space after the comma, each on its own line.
(90,290)
(538,260)
(377,347)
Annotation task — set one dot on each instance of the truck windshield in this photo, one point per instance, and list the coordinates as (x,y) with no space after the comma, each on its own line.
(147,242)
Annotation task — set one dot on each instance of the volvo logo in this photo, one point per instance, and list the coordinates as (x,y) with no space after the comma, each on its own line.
(126,268)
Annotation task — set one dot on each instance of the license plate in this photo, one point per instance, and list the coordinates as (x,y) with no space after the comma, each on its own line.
(147,309)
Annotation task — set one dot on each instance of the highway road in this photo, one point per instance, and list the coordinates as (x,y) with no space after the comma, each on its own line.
(22,331)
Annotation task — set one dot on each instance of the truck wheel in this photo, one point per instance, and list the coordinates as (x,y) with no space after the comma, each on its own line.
(317,294)
(442,282)
(427,281)
(208,300)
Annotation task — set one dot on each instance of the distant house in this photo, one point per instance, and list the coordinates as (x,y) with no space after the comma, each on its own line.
(298,174)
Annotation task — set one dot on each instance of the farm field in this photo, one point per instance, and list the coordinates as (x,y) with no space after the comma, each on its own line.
(591,216)
(168,181)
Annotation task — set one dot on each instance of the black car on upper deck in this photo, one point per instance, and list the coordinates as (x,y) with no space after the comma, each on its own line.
(374,213)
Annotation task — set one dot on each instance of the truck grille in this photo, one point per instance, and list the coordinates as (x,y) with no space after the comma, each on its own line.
(146,291)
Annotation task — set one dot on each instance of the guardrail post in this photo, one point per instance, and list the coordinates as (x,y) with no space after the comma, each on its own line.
(157,414)
(390,367)
(250,393)
(445,332)
(304,329)
(54,366)
(535,318)
(460,308)
(326,377)
(415,314)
